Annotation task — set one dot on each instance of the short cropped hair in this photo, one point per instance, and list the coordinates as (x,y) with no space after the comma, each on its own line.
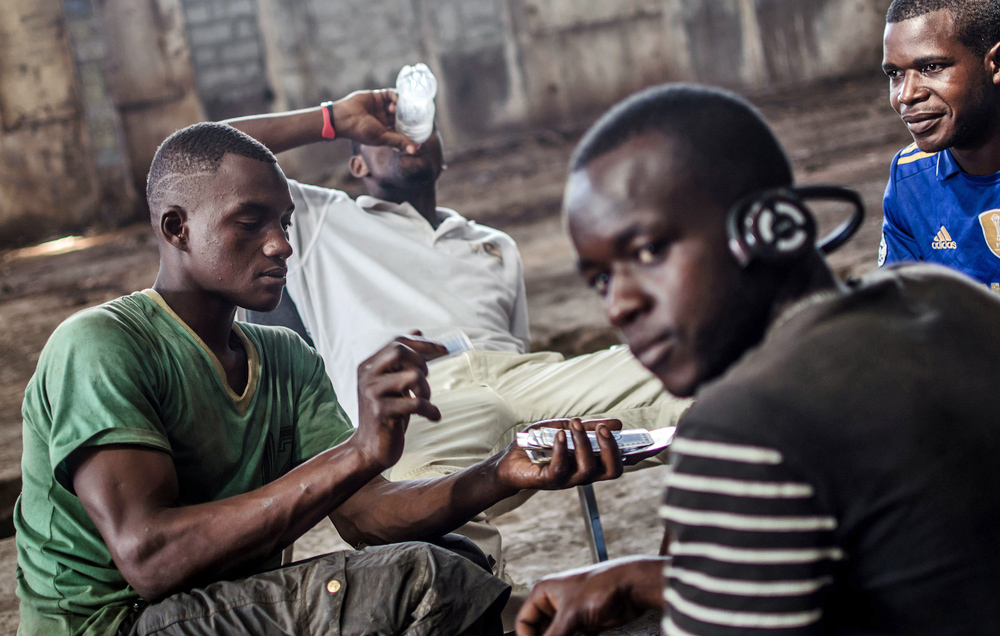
(977,21)
(721,139)
(198,149)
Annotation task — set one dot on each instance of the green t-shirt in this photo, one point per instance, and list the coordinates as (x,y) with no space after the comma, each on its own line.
(131,372)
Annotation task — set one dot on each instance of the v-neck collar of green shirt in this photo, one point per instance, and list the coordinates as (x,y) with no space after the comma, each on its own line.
(241,402)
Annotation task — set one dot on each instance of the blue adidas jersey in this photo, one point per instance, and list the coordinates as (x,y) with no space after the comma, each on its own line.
(935,212)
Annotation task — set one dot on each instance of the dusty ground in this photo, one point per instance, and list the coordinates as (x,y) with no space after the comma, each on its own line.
(841,132)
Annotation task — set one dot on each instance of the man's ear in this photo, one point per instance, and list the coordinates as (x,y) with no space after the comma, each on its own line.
(174,227)
(359,167)
(993,64)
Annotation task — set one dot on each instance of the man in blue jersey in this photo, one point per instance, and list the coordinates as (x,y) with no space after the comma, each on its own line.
(942,203)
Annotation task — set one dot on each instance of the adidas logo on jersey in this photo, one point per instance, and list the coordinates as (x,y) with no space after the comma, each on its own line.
(943,241)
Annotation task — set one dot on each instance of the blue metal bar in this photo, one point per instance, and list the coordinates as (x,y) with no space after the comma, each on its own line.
(592,517)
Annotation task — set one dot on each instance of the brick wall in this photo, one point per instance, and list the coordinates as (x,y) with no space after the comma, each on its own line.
(318,50)
(77,112)
(227,54)
(511,64)
(117,199)
(323,50)
(47,178)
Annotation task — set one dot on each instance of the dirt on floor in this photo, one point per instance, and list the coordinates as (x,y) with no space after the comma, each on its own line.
(841,132)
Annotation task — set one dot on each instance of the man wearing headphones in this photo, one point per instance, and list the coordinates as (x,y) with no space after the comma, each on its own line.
(837,472)
(942,203)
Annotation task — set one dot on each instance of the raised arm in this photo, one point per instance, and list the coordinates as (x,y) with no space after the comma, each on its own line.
(364,116)
(131,493)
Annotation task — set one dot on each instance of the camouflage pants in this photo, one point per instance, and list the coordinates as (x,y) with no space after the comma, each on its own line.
(414,589)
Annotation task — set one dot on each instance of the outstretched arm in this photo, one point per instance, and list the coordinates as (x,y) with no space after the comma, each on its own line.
(364,116)
(593,599)
(131,493)
(383,511)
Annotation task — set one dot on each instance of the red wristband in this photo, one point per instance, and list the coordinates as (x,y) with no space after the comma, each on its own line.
(328,130)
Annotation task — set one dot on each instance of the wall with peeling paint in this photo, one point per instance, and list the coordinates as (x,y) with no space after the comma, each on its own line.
(89,88)
(505,65)
(45,171)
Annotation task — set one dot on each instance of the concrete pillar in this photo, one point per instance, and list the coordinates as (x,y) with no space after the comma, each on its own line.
(227,55)
(47,179)
(117,200)
(150,75)
(580,57)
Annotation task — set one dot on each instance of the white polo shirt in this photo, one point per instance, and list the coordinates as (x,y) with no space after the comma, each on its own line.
(365,272)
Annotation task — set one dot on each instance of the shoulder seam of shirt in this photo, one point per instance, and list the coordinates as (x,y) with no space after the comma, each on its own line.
(917,156)
(910,154)
(914,170)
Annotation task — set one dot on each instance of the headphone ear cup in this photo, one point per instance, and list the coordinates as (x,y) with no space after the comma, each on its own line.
(738,246)
(772,226)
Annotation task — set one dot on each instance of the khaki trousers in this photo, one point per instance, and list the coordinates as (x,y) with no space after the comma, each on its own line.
(486,397)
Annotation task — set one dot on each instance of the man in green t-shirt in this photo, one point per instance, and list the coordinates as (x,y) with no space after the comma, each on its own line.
(170,454)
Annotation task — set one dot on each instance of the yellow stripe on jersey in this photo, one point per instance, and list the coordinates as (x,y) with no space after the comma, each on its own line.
(914,157)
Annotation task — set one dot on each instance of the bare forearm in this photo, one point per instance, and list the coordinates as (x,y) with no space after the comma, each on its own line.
(384,512)
(283,131)
(352,118)
(171,548)
(643,578)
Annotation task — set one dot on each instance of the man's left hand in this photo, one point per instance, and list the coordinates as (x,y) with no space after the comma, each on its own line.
(567,468)
(368,117)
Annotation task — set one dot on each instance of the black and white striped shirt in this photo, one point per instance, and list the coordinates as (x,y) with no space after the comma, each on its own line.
(752,547)
(844,476)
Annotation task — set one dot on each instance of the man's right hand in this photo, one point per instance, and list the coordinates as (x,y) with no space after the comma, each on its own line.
(592,599)
(392,386)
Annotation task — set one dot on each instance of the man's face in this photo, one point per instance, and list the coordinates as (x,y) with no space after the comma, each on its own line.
(237,233)
(939,87)
(391,168)
(652,243)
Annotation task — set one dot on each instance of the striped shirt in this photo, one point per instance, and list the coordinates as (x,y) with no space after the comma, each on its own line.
(752,547)
(842,477)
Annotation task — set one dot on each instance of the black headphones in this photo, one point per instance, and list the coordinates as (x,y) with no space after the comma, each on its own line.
(776,225)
